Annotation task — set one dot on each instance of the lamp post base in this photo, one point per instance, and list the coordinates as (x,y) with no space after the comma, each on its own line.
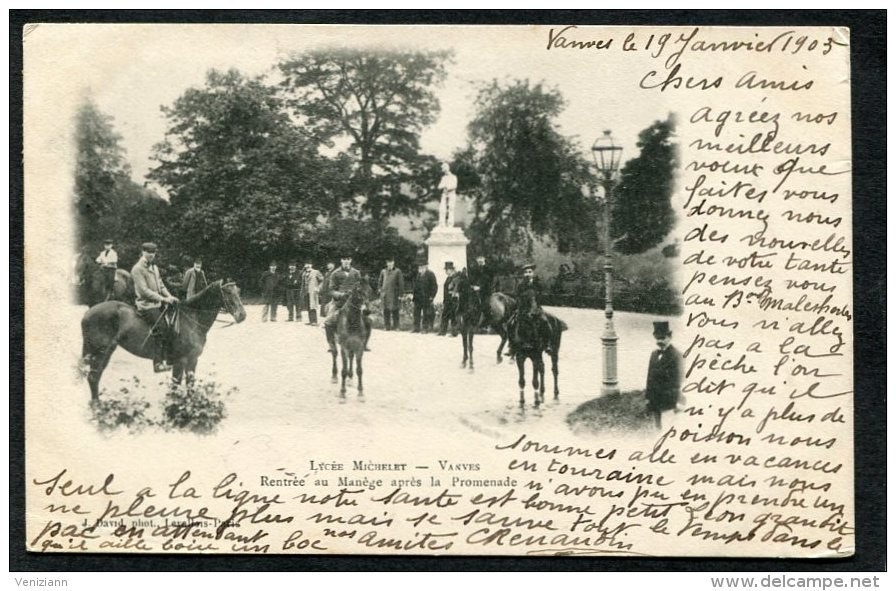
(610,383)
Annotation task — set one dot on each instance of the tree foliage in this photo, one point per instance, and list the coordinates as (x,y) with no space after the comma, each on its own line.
(108,203)
(377,102)
(243,181)
(100,169)
(527,179)
(642,206)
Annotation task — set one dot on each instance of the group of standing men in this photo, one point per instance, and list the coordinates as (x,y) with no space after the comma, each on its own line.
(304,290)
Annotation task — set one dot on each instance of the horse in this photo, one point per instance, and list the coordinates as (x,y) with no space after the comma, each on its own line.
(536,332)
(500,310)
(468,312)
(351,336)
(91,284)
(112,323)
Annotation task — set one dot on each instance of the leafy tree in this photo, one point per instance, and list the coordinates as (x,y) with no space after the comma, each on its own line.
(100,170)
(244,183)
(642,206)
(527,179)
(378,102)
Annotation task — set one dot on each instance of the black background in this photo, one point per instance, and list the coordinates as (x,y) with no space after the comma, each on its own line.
(868,41)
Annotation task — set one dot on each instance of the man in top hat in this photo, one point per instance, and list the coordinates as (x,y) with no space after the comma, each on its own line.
(391,288)
(342,281)
(663,374)
(481,279)
(194,278)
(449,313)
(312,282)
(528,287)
(151,293)
(425,289)
(292,283)
(270,292)
(108,262)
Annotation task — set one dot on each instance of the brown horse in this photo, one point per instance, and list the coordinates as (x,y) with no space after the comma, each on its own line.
(110,324)
(91,287)
(533,333)
(468,312)
(501,308)
(352,334)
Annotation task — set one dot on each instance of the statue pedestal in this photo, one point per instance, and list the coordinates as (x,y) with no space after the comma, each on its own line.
(446,244)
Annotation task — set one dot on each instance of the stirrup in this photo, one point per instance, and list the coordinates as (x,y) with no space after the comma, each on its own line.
(161,367)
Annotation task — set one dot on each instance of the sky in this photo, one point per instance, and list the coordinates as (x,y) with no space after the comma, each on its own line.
(133,70)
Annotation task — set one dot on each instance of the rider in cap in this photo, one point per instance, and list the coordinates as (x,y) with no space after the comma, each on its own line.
(151,294)
(341,282)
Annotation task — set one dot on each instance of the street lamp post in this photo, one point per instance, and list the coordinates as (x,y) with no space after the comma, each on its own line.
(607,155)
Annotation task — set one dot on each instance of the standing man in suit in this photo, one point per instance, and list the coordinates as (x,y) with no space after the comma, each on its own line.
(391,288)
(663,374)
(425,289)
(194,278)
(270,292)
(312,282)
(293,285)
(325,296)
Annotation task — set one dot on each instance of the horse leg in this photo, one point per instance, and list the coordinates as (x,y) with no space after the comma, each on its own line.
(556,371)
(501,345)
(334,378)
(98,362)
(344,369)
(541,377)
(351,364)
(521,367)
(463,338)
(471,331)
(360,374)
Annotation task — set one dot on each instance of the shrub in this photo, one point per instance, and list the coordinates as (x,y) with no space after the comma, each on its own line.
(197,407)
(125,408)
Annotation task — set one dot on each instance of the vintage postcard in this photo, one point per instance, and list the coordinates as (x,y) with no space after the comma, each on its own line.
(447,290)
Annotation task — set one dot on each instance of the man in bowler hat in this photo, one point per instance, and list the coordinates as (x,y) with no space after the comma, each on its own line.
(663,374)
(270,292)
(449,314)
(425,289)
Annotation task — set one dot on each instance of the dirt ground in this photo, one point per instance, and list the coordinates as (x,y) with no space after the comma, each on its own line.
(282,373)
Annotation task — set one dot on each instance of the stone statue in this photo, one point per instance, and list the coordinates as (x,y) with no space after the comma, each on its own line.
(448,187)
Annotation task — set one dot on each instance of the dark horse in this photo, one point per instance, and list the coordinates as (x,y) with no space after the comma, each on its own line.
(91,286)
(501,308)
(536,332)
(352,334)
(110,324)
(468,312)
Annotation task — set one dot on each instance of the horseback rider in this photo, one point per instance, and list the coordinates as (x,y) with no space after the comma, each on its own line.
(108,262)
(341,282)
(481,279)
(151,294)
(528,289)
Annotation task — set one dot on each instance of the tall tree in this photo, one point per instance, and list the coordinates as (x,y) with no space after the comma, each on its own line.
(100,170)
(528,180)
(379,102)
(243,181)
(642,202)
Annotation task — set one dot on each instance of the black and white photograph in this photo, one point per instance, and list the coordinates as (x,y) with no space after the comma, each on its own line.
(442,290)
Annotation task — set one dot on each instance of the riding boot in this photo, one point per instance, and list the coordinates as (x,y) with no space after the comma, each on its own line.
(159,365)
